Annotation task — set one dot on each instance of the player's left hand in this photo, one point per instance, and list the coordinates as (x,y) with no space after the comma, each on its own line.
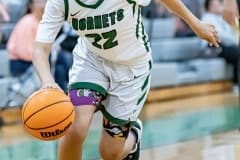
(207,32)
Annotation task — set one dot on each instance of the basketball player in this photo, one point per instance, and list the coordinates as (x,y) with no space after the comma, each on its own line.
(111,68)
(231,11)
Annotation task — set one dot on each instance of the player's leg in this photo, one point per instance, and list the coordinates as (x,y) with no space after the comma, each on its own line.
(118,141)
(70,146)
(136,131)
(86,102)
(121,129)
(86,90)
(119,147)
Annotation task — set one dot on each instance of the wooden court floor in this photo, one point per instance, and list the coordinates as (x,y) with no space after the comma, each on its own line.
(213,146)
(224,146)
(221,145)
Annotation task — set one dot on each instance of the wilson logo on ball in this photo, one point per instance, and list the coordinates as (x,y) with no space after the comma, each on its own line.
(55,133)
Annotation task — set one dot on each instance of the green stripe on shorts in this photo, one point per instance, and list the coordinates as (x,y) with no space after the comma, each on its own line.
(141,98)
(87,85)
(145,83)
(117,121)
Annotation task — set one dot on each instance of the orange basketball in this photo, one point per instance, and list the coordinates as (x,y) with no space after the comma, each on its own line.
(47,114)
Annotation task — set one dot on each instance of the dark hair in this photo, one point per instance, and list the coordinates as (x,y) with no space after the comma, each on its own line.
(206,4)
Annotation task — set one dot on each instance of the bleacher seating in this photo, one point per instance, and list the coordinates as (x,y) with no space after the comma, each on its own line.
(4,63)
(4,83)
(16,9)
(164,74)
(212,69)
(15,89)
(175,49)
(22,87)
(4,76)
(6,30)
(162,28)
(177,61)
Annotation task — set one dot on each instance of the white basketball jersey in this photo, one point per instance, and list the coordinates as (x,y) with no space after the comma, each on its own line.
(112,29)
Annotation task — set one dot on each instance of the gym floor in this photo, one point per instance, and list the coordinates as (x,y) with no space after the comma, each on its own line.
(197,128)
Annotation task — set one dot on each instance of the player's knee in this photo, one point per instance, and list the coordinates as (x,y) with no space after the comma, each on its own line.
(107,154)
(112,149)
(78,131)
(116,131)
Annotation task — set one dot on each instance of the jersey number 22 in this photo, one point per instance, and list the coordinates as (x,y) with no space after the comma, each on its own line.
(109,37)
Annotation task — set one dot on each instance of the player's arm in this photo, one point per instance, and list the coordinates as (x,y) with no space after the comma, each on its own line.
(48,29)
(230,12)
(202,30)
(41,63)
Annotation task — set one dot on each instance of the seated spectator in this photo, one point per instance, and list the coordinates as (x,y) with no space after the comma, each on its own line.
(21,41)
(182,29)
(230,50)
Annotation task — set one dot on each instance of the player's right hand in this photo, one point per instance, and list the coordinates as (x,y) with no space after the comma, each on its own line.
(207,32)
(47,85)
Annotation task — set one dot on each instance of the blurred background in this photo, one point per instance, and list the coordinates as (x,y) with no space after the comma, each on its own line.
(192,111)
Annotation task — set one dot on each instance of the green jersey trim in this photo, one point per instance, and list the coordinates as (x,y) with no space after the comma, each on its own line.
(66,6)
(150,65)
(146,82)
(138,31)
(141,98)
(145,39)
(92,6)
(134,5)
(138,22)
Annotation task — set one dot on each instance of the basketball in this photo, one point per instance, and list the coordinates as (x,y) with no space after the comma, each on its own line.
(48,114)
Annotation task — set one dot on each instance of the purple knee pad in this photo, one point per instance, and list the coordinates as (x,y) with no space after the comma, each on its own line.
(85,97)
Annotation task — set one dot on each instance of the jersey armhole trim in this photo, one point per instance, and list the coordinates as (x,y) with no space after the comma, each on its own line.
(132,2)
(66,6)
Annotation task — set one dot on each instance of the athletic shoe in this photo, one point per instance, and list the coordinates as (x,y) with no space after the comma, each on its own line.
(137,130)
